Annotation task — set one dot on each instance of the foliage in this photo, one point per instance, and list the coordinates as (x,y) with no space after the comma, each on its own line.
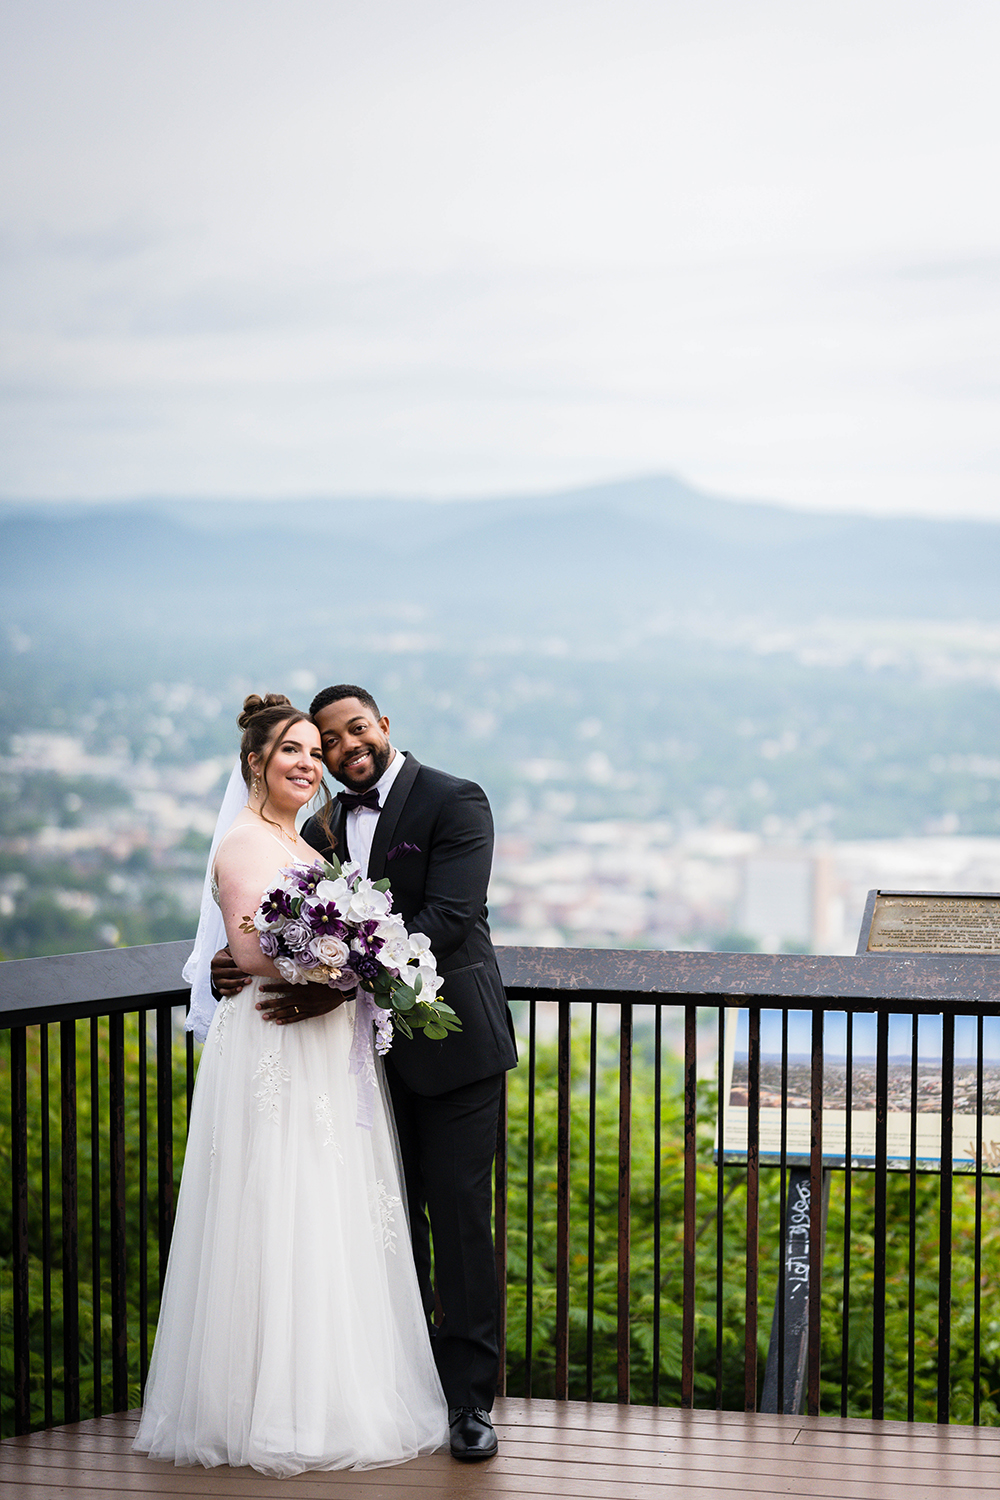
(856,1389)
(845,1377)
(94,1281)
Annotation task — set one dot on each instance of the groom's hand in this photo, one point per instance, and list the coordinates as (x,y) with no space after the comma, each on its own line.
(227,977)
(287,1004)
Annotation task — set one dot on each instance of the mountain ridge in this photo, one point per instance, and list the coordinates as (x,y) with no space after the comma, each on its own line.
(583,560)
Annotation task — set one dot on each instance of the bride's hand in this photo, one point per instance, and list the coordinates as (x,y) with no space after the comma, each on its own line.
(287,1004)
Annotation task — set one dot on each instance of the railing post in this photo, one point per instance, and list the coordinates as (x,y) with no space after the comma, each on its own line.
(753,1208)
(43,1094)
(720,1206)
(658,1200)
(881,1203)
(70,1223)
(562,1204)
(817,1201)
(19,1207)
(500,1233)
(591,1196)
(164,1135)
(690,1200)
(624,1204)
(96,1216)
(116,1152)
(944,1238)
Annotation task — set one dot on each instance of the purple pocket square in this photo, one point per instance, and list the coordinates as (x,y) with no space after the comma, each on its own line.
(401,850)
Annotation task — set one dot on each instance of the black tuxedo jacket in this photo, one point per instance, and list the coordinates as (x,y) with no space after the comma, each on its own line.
(434,842)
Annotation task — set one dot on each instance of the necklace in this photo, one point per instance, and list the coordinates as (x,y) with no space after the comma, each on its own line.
(292,838)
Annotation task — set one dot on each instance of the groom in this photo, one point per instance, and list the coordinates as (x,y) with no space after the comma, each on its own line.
(432,835)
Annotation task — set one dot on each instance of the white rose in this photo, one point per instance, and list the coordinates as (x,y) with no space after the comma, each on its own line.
(330,951)
(290,971)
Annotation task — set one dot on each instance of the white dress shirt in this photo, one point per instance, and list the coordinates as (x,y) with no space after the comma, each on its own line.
(361,820)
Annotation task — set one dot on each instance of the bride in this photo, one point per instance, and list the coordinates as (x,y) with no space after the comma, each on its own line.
(291,1333)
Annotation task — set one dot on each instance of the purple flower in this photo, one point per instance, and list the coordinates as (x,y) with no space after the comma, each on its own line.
(324,919)
(276,903)
(364,966)
(305,880)
(269,944)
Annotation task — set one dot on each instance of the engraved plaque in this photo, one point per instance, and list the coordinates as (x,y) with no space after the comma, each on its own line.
(929,922)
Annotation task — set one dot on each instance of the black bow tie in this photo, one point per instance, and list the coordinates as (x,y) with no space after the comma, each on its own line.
(350,800)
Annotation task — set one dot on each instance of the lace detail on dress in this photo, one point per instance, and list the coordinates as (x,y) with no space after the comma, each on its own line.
(382,1205)
(272,1075)
(226,1008)
(324,1118)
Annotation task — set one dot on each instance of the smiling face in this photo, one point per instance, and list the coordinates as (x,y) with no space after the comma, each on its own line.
(355,744)
(292,766)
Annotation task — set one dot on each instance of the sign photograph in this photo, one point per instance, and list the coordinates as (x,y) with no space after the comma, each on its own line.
(862,1074)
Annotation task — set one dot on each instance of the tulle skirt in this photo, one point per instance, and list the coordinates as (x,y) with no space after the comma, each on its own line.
(291,1334)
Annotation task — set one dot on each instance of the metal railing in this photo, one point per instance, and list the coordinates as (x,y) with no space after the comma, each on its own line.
(636,1256)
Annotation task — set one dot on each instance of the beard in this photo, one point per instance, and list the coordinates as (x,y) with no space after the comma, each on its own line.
(381,756)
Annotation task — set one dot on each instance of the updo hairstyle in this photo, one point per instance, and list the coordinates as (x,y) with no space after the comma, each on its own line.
(259,721)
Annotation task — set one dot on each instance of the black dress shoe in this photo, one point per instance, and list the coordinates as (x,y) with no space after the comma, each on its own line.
(472,1435)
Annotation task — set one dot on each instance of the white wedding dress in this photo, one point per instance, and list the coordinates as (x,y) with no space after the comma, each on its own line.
(291,1334)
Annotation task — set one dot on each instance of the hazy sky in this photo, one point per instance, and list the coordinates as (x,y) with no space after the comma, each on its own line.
(424,246)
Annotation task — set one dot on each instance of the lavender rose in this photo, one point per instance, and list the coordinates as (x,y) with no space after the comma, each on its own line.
(296,936)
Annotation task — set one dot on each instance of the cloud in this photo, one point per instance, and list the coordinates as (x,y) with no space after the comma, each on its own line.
(445,247)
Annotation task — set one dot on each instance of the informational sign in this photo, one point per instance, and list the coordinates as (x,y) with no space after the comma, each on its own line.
(894,922)
(915,922)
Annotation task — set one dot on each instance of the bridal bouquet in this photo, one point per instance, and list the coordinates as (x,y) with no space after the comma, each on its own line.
(324,924)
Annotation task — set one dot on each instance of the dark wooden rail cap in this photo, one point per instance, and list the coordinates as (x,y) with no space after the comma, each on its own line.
(861,982)
(92,984)
(117,979)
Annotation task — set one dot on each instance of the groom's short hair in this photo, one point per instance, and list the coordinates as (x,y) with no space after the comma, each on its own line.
(329,695)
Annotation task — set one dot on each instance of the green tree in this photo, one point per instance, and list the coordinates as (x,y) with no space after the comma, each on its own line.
(857,1240)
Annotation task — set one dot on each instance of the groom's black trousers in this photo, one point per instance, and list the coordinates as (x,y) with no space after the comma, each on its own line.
(447,1145)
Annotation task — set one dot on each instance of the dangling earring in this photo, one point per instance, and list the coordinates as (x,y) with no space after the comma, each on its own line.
(256,786)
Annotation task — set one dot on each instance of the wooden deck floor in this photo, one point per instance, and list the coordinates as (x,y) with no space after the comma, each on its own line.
(567,1449)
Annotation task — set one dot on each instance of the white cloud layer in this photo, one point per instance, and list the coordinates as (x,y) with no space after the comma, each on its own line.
(425,246)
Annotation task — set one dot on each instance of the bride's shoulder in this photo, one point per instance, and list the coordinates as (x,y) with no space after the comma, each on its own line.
(243,839)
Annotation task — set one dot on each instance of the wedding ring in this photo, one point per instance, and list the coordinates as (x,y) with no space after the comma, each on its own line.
(296,1009)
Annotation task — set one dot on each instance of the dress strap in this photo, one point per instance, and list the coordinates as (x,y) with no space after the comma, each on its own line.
(213,876)
(236,828)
